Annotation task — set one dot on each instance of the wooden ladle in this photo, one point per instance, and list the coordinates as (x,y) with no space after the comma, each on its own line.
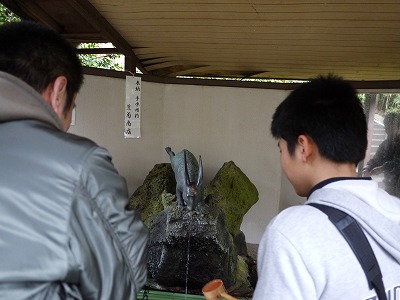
(215,290)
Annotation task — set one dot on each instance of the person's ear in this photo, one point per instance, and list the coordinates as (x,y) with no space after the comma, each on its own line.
(55,94)
(306,146)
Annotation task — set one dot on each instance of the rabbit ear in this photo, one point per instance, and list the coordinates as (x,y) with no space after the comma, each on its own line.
(187,178)
(200,175)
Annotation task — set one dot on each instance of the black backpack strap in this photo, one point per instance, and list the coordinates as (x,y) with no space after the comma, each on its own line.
(358,242)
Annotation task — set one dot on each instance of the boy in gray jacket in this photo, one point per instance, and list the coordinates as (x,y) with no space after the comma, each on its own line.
(322,136)
(64,230)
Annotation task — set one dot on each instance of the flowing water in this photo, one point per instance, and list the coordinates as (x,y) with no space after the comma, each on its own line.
(189,231)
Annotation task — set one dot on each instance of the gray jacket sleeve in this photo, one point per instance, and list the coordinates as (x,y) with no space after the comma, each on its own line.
(108,245)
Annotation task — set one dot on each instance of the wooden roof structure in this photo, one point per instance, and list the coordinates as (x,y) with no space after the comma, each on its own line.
(269,39)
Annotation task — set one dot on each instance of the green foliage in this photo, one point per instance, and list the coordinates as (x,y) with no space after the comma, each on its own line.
(388,103)
(362,98)
(102,61)
(7,16)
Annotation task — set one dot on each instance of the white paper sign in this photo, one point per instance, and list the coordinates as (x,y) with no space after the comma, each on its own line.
(133,87)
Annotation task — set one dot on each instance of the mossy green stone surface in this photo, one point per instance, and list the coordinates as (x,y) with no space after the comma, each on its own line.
(148,199)
(234,193)
(242,273)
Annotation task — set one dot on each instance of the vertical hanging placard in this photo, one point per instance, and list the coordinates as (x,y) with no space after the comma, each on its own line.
(133,87)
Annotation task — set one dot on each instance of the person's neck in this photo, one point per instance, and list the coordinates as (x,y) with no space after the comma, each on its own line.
(328,169)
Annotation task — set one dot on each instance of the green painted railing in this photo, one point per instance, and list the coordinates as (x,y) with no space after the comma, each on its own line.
(160,295)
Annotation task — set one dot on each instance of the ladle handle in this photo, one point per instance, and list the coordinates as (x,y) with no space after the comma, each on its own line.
(228,297)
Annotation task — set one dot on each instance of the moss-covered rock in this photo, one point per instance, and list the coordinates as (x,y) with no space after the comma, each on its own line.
(167,199)
(234,193)
(245,280)
(242,274)
(156,192)
(231,194)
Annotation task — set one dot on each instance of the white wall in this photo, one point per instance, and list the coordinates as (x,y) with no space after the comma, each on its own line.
(219,123)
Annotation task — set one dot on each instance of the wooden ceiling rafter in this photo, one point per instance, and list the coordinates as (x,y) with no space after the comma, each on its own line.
(88,11)
(263,39)
(105,32)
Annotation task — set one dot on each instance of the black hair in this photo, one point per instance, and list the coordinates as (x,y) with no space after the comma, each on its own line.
(328,110)
(38,55)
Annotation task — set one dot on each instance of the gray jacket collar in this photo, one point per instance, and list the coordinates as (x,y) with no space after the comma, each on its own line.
(19,101)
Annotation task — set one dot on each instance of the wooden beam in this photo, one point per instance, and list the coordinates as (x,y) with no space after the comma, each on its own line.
(98,51)
(385,86)
(85,37)
(90,13)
